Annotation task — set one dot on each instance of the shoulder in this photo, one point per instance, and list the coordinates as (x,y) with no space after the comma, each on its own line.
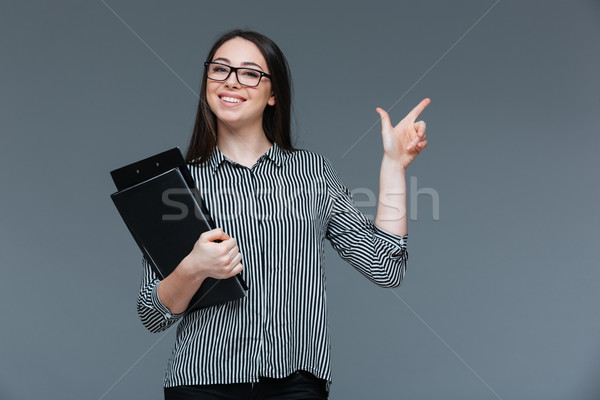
(305,163)
(308,158)
(197,167)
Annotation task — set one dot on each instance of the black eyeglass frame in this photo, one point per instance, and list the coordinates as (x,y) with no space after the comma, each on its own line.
(235,69)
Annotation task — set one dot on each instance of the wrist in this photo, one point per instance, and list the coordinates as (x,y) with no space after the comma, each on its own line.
(189,271)
(394,164)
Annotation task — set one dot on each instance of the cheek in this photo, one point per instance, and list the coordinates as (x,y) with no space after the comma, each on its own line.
(211,102)
(266,98)
(211,97)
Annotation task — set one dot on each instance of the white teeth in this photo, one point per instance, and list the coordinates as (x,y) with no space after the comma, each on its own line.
(231,99)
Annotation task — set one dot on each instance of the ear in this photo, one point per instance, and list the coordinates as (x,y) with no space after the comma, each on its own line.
(271,101)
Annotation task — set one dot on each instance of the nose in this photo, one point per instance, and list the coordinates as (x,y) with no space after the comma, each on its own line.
(231,80)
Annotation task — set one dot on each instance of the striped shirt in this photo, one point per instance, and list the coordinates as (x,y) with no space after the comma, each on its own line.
(280,211)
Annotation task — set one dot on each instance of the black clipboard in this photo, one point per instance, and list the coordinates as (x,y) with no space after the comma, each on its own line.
(158,201)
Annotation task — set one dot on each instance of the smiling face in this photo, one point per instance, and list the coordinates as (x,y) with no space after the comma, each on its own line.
(236,106)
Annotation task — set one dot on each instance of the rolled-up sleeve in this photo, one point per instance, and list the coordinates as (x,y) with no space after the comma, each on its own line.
(379,255)
(155,316)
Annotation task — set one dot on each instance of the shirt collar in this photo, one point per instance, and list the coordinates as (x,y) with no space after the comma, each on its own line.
(276,154)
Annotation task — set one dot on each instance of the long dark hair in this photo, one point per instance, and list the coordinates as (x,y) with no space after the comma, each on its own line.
(276,119)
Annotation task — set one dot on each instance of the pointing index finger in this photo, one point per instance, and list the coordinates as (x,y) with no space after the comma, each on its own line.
(419,109)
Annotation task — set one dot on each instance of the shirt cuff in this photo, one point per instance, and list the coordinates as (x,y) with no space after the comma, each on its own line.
(397,242)
(158,305)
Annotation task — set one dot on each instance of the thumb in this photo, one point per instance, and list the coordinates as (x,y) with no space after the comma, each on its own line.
(214,234)
(385,118)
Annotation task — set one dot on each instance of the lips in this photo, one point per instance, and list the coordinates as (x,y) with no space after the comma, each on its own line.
(231,99)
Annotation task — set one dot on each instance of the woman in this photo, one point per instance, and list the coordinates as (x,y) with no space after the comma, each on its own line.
(274,206)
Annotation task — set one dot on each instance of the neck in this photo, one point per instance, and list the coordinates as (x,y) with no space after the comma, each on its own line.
(244,146)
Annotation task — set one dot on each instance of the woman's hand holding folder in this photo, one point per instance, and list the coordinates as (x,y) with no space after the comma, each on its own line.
(215,255)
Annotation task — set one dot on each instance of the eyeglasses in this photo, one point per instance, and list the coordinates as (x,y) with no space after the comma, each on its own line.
(245,76)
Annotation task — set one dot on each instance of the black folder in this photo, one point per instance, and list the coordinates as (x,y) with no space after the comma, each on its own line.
(160,205)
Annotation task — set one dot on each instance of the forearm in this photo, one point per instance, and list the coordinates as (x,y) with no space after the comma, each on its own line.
(154,315)
(391,207)
(177,289)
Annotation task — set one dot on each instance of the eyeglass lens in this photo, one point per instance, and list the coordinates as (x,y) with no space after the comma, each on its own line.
(245,76)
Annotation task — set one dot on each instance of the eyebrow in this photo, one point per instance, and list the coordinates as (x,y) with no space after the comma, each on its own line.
(244,64)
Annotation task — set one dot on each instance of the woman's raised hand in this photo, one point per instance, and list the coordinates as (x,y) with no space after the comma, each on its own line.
(215,255)
(403,142)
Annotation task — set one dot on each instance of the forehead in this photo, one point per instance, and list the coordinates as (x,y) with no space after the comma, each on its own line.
(241,52)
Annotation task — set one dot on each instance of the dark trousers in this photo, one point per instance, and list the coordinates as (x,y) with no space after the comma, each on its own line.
(300,385)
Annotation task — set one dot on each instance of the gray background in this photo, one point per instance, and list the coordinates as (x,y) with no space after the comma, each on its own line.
(501,296)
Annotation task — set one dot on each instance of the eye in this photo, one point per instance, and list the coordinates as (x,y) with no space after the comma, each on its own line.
(250,73)
(219,68)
